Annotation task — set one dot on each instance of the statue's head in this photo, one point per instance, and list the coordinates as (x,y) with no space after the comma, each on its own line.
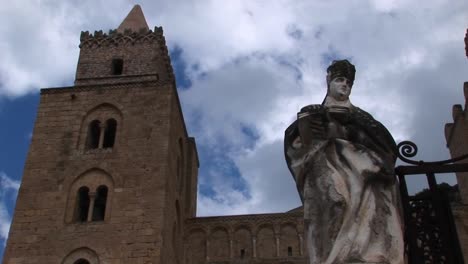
(340,79)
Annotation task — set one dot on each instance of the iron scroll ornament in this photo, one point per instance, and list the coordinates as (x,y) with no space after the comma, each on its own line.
(408,149)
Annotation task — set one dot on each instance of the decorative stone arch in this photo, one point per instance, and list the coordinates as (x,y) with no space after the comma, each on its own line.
(218,227)
(262,225)
(266,241)
(196,246)
(97,165)
(242,242)
(101,114)
(290,244)
(195,228)
(94,180)
(83,253)
(242,226)
(219,243)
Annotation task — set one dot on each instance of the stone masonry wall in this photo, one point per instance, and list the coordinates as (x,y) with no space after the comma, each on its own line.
(136,168)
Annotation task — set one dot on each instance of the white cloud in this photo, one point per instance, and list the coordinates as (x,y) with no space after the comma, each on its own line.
(8,192)
(254,64)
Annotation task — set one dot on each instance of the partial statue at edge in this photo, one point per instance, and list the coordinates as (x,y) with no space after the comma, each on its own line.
(343,162)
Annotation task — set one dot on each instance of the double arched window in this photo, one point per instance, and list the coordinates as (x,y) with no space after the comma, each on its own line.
(90,197)
(91,206)
(100,126)
(101,135)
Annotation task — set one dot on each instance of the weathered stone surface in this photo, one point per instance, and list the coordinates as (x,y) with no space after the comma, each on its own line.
(342,160)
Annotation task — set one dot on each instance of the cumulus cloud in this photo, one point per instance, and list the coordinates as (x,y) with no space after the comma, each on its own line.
(40,41)
(395,53)
(8,192)
(252,65)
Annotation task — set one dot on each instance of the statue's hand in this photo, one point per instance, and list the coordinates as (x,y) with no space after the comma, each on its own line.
(317,128)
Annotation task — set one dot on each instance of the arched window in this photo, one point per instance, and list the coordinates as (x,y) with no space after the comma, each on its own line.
(109,134)
(90,198)
(82,204)
(81,261)
(94,131)
(100,201)
(99,128)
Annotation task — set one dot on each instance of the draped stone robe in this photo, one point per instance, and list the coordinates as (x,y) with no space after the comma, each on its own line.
(343,165)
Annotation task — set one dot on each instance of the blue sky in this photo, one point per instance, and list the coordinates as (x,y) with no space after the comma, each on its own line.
(18,116)
(244,68)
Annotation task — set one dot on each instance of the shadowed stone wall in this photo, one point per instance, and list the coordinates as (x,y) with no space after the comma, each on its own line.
(456,134)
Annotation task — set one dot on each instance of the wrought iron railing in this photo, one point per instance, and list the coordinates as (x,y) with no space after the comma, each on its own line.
(430,231)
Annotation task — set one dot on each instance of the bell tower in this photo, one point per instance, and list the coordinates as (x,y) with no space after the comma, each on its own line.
(111,173)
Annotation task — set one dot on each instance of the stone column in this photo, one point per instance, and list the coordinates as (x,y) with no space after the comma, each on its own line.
(231,250)
(101,135)
(301,244)
(254,243)
(277,245)
(207,250)
(92,197)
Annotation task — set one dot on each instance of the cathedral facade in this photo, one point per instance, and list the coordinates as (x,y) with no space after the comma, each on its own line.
(111,173)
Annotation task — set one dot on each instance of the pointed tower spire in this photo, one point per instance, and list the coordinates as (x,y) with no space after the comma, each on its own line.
(134,21)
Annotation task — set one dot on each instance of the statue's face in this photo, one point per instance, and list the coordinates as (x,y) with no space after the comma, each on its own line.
(340,88)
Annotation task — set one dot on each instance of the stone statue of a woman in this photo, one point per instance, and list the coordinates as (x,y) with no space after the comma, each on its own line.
(343,161)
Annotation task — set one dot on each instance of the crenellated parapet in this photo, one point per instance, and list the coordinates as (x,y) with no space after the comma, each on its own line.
(115,38)
(142,53)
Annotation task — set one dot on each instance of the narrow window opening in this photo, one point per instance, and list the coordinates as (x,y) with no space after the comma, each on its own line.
(94,131)
(81,213)
(242,253)
(99,209)
(109,133)
(81,261)
(289,251)
(117,66)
